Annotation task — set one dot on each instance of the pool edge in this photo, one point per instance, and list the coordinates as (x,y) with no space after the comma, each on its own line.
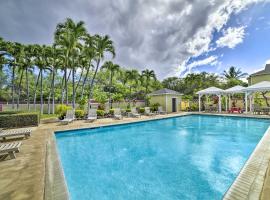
(250,180)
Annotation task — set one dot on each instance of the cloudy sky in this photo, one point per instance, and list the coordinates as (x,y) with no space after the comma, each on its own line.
(173,37)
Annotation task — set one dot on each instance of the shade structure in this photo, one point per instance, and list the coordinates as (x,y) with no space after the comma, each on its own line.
(211,90)
(258,87)
(235,89)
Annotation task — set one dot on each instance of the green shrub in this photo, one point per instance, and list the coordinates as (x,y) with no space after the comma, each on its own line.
(128,110)
(141,110)
(82,102)
(111,111)
(100,113)
(19,120)
(62,109)
(154,107)
(79,114)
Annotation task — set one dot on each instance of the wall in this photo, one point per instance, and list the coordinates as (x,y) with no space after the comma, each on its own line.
(256,79)
(169,103)
(161,99)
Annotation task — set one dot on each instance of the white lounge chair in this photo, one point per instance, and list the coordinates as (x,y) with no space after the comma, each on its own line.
(70,117)
(92,115)
(160,111)
(10,149)
(134,113)
(148,112)
(21,133)
(117,114)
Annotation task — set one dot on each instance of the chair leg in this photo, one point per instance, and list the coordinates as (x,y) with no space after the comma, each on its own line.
(12,154)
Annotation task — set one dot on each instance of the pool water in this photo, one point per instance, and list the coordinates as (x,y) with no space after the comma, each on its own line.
(189,157)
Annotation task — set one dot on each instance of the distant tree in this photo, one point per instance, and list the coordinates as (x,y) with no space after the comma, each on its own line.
(234,73)
(112,68)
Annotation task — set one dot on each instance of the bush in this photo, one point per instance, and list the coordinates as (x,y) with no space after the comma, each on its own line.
(111,111)
(62,109)
(154,107)
(128,110)
(100,113)
(79,114)
(19,120)
(141,110)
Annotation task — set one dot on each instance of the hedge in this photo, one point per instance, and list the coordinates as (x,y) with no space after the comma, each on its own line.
(19,120)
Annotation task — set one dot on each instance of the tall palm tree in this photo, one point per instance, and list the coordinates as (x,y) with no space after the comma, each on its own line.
(102,44)
(112,68)
(89,52)
(149,75)
(234,73)
(133,80)
(68,36)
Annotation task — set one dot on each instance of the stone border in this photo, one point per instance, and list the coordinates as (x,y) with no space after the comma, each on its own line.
(249,182)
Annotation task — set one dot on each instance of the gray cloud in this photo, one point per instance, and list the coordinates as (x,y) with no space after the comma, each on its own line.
(159,35)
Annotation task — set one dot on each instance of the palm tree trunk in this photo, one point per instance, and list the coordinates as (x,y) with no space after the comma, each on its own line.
(53,95)
(66,86)
(62,87)
(73,88)
(27,85)
(19,91)
(13,87)
(79,80)
(265,98)
(110,93)
(84,81)
(91,85)
(41,91)
(35,92)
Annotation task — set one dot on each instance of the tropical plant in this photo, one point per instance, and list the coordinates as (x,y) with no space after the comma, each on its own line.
(112,68)
(234,73)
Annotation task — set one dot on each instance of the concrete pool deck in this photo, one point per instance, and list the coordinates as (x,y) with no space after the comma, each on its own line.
(36,174)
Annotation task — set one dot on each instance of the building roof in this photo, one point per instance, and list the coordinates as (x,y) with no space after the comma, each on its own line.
(258,87)
(211,90)
(235,89)
(262,72)
(165,91)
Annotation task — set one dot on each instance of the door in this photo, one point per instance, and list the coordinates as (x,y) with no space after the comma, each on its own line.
(174,109)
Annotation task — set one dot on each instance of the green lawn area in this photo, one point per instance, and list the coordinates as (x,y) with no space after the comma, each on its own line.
(48,116)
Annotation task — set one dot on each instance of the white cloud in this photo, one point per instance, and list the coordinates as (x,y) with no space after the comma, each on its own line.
(231,37)
(211,60)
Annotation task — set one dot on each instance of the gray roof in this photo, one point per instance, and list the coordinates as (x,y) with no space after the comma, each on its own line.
(165,91)
(265,71)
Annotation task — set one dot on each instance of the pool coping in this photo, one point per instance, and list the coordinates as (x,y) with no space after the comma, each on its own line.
(247,185)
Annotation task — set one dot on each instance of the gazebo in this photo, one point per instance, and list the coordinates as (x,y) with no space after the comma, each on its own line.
(211,91)
(233,90)
(258,87)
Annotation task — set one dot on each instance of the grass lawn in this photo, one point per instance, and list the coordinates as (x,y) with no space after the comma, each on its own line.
(48,116)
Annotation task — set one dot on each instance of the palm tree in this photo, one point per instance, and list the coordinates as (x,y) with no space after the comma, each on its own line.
(89,52)
(102,45)
(68,36)
(112,68)
(133,80)
(149,75)
(234,73)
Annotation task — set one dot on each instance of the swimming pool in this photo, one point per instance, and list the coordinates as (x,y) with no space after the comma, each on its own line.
(189,157)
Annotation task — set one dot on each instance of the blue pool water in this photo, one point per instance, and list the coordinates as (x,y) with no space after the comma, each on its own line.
(190,157)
